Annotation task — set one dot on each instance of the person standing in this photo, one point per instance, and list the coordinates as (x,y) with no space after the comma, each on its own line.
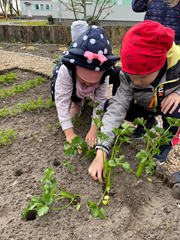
(165,12)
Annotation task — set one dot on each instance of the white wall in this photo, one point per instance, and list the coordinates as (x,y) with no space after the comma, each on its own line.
(121,13)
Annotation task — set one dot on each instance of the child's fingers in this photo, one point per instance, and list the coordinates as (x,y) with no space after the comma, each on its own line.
(100,176)
(92,142)
(173,108)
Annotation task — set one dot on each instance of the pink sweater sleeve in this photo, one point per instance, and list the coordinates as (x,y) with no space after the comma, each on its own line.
(63,92)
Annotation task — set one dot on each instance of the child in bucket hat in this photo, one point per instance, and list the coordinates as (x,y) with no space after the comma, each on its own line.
(84,71)
(150,86)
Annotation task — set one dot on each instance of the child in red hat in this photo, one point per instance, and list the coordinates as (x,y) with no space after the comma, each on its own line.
(150,86)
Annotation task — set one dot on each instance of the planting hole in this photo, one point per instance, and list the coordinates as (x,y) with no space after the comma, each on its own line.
(76,200)
(31,215)
(56,163)
(18,172)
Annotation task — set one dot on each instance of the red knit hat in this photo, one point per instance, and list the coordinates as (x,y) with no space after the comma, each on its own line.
(144,47)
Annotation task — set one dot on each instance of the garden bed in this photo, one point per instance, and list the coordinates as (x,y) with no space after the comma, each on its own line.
(138,208)
(43,50)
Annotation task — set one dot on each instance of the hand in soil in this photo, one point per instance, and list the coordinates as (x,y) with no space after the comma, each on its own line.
(96,168)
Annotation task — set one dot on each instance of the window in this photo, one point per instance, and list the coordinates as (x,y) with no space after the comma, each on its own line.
(37,6)
(47,7)
(42,7)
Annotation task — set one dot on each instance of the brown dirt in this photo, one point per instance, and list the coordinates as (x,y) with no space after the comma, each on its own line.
(138,209)
(43,50)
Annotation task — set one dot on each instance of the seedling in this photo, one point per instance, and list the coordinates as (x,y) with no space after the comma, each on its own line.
(77,121)
(22,87)
(43,204)
(49,196)
(7,137)
(8,78)
(76,146)
(32,134)
(153,141)
(27,106)
(121,136)
(53,125)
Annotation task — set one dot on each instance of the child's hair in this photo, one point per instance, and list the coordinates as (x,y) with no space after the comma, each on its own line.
(172,3)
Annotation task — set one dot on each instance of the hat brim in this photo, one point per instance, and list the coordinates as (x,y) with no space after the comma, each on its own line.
(80,52)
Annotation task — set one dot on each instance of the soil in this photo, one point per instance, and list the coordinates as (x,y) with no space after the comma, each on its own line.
(43,50)
(138,209)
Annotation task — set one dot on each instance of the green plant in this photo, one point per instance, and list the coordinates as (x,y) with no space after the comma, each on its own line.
(22,87)
(28,105)
(7,137)
(153,141)
(121,137)
(53,125)
(7,78)
(77,121)
(43,204)
(32,134)
(77,145)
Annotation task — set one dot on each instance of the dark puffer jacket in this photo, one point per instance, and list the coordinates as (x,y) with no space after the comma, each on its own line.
(159,11)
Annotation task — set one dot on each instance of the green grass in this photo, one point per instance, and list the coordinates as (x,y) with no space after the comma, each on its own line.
(116,50)
(11,20)
(35,23)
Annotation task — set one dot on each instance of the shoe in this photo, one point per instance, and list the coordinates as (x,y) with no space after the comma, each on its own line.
(76,108)
(140,129)
(162,156)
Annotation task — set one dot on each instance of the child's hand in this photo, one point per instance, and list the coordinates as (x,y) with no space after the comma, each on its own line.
(96,168)
(168,102)
(91,136)
(70,135)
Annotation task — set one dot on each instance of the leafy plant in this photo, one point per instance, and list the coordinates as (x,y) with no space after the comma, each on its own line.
(53,125)
(7,137)
(32,105)
(8,78)
(50,195)
(22,87)
(121,137)
(28,105)
(77,121)
(153,141)
(72,149)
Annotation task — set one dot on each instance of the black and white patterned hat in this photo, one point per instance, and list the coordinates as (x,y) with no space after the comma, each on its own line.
(91,50)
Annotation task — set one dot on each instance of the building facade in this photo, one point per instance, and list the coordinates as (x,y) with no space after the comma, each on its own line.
(122,12)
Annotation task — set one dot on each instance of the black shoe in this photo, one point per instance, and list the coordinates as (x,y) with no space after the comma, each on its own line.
(162,156)
(140,129)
